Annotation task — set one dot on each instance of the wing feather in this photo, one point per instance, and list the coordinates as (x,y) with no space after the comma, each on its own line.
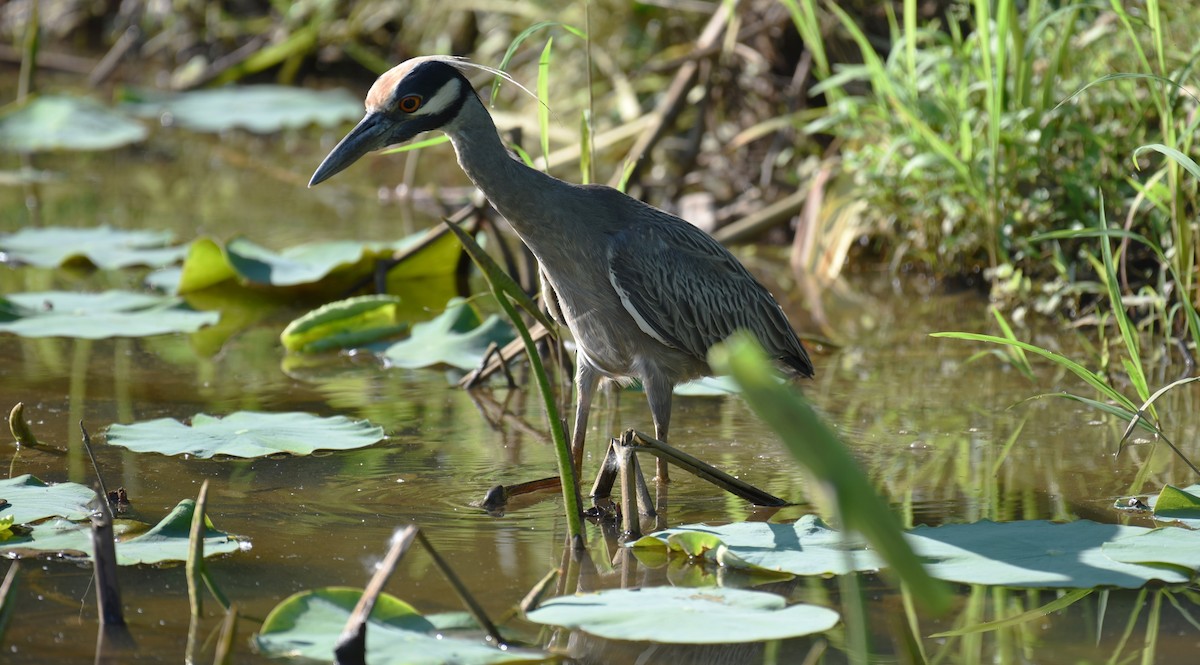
(687,291)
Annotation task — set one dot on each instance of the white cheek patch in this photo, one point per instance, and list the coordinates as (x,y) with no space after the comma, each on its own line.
(446,95)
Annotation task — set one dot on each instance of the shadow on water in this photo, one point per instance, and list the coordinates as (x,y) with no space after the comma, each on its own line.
(935,432)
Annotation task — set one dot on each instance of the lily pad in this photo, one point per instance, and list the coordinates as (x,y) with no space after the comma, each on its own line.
(262,109)
(708,386)
(245,434)
(346,323)
(340,263)
(1035,554)
(456,338)
(1178,505)
(165,541)
(806,547)
(98,315)
(308,625)
(67,123)
(1171,546)
(29,500)
(714,615)
(103,247)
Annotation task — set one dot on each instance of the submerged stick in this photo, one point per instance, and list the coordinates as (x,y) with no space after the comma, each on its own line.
(104,555)
(703,470)
(464,594)
(351,647)
(629,510)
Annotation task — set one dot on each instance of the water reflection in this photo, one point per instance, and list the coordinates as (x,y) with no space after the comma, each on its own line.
(946,436)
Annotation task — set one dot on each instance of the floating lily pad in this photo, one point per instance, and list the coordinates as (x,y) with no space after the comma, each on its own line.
(98,315)
(245,434)
(709,386)
(29,500)
(67,123)
(104,247)
(348,323)
(714,615)
(262,109)
(308,625)
(1035,553)
(1171,546)
(165,541)
(806,547)
(1178,505)
(456,338)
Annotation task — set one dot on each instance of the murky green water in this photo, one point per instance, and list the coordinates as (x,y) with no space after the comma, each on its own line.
(945,439)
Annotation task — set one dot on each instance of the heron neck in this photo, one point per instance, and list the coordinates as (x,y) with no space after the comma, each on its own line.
(517,191)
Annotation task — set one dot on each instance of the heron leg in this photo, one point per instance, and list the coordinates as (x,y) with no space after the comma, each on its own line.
(587,378)
(658,393)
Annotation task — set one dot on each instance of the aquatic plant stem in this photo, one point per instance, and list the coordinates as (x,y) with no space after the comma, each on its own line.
(503,287)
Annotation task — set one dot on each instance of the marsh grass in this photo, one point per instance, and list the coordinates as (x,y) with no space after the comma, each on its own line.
(965,139)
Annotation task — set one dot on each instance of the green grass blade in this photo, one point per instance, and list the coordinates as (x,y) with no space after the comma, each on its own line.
(417,145)
(1091,378)
(503,288)
(1183,160)
(543,95)
(520,39)
(1056,605)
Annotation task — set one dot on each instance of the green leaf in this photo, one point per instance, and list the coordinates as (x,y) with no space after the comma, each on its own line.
(168,540)
(67,123)
(245,434)
(165,541)
(204,266)
(103,246)
(308,625)
(348,323)
(98,315)
(1034,553)
(302,264)
(806,547)
(457,338)
(1168,546)
(1181,505)
(262,109)
(30,499)
(673,615)
(709,386)
(335,265)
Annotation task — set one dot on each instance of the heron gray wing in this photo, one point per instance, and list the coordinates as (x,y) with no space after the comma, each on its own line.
(687,291)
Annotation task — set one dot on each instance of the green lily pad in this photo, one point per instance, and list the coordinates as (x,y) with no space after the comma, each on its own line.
(165,541)
(104,247)
(1178,505)
(325,267)
(308,625)
(714,615)
(1170,546)
(806,547)
(245,434)
(708,386)
(30,499)
(348,323)
(67,123)
(98,315)
(262,109)
(456,338)
(1035,553)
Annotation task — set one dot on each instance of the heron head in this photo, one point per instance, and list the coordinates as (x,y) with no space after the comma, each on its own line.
(415,96)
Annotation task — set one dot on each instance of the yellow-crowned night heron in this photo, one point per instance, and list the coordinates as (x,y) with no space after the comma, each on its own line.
(644,293)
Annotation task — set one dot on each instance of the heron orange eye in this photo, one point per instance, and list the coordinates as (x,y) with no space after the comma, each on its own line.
(410,103)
